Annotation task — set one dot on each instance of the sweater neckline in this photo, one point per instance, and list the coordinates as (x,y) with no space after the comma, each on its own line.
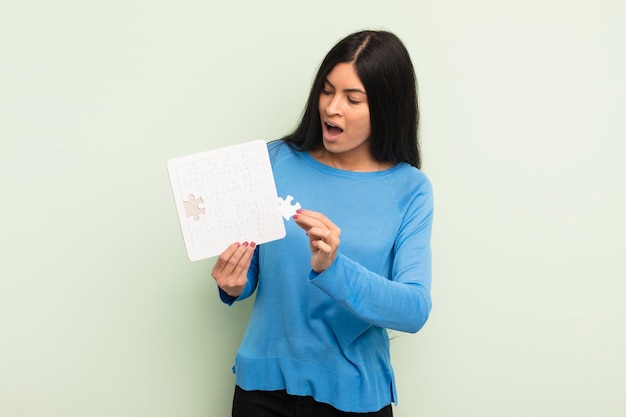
(345,173)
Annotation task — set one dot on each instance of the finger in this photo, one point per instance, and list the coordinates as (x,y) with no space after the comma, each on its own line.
(307,222)
(240,259)
(317,233)
(322,246)
(222,260)
(322,232)
(320,218)
(244,262)
(307,219)
(229,260)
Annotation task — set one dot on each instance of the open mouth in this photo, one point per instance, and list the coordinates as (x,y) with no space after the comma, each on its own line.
(333,130)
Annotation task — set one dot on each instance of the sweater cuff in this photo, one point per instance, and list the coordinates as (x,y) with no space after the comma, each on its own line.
(329,281)
(313,274)
(226,299)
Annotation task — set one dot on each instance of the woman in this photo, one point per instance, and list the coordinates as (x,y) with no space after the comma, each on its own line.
(356,259)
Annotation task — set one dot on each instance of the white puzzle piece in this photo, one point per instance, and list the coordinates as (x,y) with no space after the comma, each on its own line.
(286,208)
(224,196)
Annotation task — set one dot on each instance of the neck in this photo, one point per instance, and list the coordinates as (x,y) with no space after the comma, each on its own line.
(349,162)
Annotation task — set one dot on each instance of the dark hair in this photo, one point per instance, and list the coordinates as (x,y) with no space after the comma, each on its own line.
(384,67)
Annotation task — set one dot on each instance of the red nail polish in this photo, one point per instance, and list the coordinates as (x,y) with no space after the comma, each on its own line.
(299,211)
(252,244)
(295,216)
(237,244)
(245,244)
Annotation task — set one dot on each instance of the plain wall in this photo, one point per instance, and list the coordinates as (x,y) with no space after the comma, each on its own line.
(524,139)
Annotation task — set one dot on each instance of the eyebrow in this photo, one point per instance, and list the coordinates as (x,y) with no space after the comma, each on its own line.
(347,90)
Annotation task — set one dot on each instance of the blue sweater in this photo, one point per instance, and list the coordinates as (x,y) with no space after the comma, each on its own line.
(324,334)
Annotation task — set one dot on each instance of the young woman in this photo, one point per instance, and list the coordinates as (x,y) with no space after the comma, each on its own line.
(356,259)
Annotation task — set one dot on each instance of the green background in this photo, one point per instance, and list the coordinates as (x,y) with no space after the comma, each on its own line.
(523,104)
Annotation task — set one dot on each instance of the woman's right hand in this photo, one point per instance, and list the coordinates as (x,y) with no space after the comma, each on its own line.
(231,269)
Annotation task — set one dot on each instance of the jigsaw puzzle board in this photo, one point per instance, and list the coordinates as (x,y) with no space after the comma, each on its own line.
(223,196)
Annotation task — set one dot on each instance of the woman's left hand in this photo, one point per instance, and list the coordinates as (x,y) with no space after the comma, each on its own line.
(323,238)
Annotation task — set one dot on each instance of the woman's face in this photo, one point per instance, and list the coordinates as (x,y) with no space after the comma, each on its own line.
(345,114)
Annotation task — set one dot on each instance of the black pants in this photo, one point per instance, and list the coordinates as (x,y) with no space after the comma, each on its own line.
(281,404)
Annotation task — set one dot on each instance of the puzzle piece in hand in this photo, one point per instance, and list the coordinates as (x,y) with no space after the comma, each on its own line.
(286,208)
(194,207)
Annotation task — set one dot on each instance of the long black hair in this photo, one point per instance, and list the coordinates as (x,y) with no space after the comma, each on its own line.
(384,67)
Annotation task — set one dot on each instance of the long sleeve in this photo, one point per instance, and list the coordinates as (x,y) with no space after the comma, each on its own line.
(402,301)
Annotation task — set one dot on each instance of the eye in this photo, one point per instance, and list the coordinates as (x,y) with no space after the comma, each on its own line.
(326,91)
(354,101)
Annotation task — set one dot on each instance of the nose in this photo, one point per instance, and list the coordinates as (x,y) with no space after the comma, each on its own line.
(333,106)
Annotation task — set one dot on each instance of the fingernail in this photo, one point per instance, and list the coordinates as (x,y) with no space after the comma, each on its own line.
(299,211)
(252,244)
(295,216)
(245,244)
(237,244)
